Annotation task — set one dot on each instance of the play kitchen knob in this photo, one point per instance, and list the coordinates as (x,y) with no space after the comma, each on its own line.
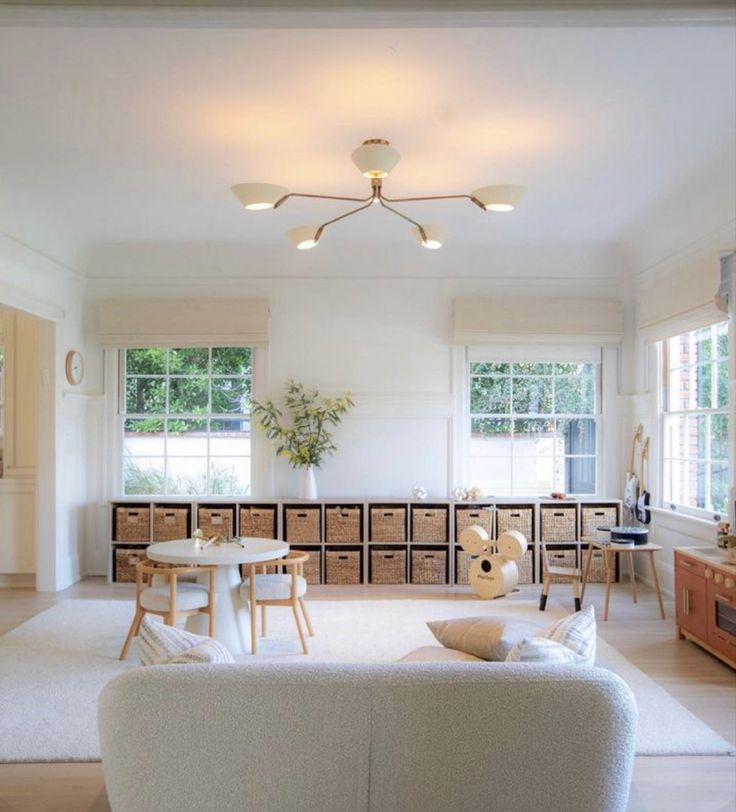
(729,583)
(709,574)
(718,578)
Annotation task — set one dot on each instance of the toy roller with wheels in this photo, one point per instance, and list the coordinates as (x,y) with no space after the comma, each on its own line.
(492,576)
(475,540)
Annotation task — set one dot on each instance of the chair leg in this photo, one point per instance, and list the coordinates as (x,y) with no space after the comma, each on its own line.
(134,628)
(299,628)
(576,593)
(306,617)
(263,620)
(545,592)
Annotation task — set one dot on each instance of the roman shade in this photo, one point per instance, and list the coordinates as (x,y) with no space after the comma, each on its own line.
(487,320)
(230,322)
(681,301)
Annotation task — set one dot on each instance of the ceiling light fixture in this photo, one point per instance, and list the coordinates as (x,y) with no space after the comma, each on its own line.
(375,158)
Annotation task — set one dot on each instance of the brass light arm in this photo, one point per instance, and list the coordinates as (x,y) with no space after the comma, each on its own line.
(434,197)
(381,200)
(342,217)
(321,197)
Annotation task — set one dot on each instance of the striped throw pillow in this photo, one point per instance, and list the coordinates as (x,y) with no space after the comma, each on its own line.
(576,632)
(158,643)
(542,650)
(211,651)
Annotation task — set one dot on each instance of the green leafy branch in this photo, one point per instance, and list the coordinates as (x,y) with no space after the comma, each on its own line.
(308,439)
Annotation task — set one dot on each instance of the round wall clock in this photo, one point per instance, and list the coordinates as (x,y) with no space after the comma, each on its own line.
(74,367)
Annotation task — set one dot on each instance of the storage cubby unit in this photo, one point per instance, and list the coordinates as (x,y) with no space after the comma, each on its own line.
(343,524)
(343,566)
(359,526)
(303,524)
(387,565)
(124,562)
(258,521)
(430,524)
(216,520)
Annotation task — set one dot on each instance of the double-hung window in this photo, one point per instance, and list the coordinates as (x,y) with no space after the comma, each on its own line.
(186,420)
(533,427)
(695,420)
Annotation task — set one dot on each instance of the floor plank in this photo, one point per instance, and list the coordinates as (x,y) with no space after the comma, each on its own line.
(702,683)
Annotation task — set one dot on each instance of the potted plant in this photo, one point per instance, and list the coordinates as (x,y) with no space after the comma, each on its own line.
(307,441)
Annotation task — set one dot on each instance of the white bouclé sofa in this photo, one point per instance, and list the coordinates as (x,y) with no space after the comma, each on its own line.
(439,737)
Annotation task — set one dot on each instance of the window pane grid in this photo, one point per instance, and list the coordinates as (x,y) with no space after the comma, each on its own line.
(695,419)
(529,443)
(184,446)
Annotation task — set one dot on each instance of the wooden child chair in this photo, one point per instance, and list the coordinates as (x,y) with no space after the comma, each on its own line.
(571,575)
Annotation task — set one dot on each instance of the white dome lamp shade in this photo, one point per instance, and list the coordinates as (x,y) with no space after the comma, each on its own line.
(305,237)
(498,198)
(375,158)
(433,237)
(257,196)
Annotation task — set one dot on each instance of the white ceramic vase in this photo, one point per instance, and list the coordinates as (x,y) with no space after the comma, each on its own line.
(307,483)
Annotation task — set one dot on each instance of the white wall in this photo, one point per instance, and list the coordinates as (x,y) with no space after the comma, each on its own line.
(68,417)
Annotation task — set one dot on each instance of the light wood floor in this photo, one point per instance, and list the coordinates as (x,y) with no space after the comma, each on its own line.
(682,784)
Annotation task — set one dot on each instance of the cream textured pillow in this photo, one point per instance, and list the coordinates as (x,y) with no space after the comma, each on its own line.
(158,643)
(542,650)
(487,637)
(211,651)
(576,632)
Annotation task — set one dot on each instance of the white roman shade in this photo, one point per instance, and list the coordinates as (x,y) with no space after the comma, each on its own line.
(528,319)
(681,301)
(183,322)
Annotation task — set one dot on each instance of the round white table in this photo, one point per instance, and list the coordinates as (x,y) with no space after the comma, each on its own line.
(231,625)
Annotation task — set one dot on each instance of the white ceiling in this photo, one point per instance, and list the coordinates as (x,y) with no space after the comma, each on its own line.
(129,136)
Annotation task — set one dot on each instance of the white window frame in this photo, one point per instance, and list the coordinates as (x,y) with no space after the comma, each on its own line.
(664,388)
(122,416)
(516,357)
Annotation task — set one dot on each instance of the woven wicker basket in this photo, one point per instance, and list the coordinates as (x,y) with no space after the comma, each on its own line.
(126,560)
(597,572)
(303,525)
(526,568)
(313,566)
(594,517)
(388,524)
(516,518)
(559,524)
(132,524)
(462,567)
(562,557)
(258,522)
(343,525)
(216,521)
(342,566)
(468,516)
(388,566)
(429,566)
(429,524)
(170,523)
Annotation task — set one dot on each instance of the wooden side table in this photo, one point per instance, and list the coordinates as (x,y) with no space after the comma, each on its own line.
(609,551)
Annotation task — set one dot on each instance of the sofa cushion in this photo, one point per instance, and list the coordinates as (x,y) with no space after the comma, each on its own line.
(487,637)
(543,650)
(438,654)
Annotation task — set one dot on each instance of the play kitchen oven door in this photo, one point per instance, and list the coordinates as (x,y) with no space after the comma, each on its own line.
(722,615)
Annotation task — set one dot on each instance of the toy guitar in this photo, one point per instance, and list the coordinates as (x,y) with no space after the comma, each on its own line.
(631,489)
(643,514)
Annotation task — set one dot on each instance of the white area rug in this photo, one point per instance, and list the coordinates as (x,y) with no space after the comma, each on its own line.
(53,667)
